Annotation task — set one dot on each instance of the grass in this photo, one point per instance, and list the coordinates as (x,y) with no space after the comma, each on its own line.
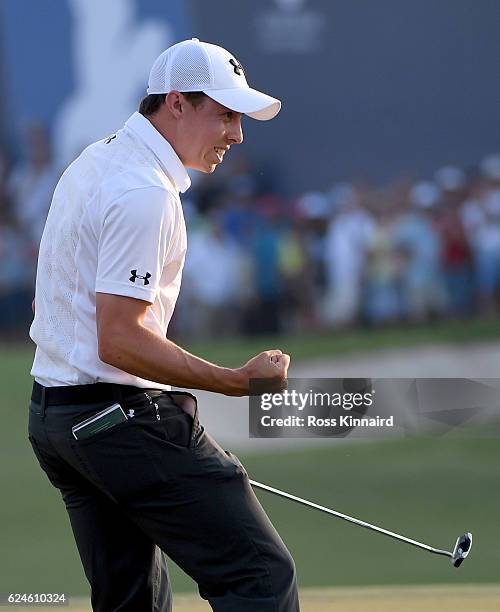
(428,489)
(233,352)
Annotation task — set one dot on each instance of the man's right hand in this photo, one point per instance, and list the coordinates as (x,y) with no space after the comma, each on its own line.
(269,365)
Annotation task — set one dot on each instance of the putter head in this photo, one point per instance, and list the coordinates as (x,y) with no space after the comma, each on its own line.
(462,549)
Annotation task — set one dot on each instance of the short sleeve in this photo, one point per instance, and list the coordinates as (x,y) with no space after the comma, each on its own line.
(135,232)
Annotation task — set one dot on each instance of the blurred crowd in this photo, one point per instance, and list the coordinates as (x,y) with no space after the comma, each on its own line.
(261,263)
(358,254)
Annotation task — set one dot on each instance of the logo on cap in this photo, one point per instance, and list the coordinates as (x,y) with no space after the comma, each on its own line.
(135,275)
(238,68)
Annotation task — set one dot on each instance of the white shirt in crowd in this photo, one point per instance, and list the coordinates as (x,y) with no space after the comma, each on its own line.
(115,226)
(213,268)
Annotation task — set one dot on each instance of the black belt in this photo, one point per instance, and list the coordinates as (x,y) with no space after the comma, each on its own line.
(84,394)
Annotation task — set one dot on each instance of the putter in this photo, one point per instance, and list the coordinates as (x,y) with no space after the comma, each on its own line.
(460,551)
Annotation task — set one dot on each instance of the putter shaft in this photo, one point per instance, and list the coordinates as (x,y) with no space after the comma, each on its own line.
(350,519)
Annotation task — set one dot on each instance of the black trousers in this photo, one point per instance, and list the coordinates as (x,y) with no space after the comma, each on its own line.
(158,483)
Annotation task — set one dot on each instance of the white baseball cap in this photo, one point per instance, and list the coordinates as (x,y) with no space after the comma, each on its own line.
(192,65)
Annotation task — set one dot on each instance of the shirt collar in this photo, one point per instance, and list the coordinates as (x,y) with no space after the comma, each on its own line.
(162,149)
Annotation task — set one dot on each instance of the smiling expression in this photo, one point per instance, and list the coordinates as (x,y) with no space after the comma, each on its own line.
(208,131)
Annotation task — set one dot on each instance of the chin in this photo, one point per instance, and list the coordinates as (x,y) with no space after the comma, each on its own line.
(205,168)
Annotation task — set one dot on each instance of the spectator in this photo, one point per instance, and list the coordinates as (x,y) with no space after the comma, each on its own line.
(263,315)
(16,279)
(240,215)
(32,183)
(296,282)
(483,218)
(382,300)
(416,236)
(456,254)
(215,279)
(348,233)
(313,209)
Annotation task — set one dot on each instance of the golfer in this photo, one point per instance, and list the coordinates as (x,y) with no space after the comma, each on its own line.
(138,473)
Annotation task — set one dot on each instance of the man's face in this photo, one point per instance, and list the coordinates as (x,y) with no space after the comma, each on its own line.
(207,133)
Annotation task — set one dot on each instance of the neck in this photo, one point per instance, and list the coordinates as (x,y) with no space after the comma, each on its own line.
(165,130)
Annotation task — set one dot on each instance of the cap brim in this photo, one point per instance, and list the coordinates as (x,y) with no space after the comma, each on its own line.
(249,101)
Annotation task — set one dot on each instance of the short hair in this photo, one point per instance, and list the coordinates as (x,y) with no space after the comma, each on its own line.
(151,103)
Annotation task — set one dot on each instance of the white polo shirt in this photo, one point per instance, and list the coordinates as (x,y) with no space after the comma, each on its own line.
(115,226)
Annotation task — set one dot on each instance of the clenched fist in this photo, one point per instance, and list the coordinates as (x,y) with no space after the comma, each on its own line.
(269,366)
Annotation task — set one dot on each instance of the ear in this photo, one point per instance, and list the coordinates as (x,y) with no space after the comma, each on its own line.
(175,103)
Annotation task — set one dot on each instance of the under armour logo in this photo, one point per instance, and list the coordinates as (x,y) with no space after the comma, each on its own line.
(238,68)
(135,275)
(108,140)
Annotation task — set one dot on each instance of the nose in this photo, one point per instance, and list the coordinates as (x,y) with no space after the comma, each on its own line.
(235,134)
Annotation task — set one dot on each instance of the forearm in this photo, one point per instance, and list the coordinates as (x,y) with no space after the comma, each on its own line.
(142,353)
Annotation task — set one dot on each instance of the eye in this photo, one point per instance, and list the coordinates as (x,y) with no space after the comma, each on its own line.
(229,115)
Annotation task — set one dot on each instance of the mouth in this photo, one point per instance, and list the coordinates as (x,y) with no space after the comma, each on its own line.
(220,152)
